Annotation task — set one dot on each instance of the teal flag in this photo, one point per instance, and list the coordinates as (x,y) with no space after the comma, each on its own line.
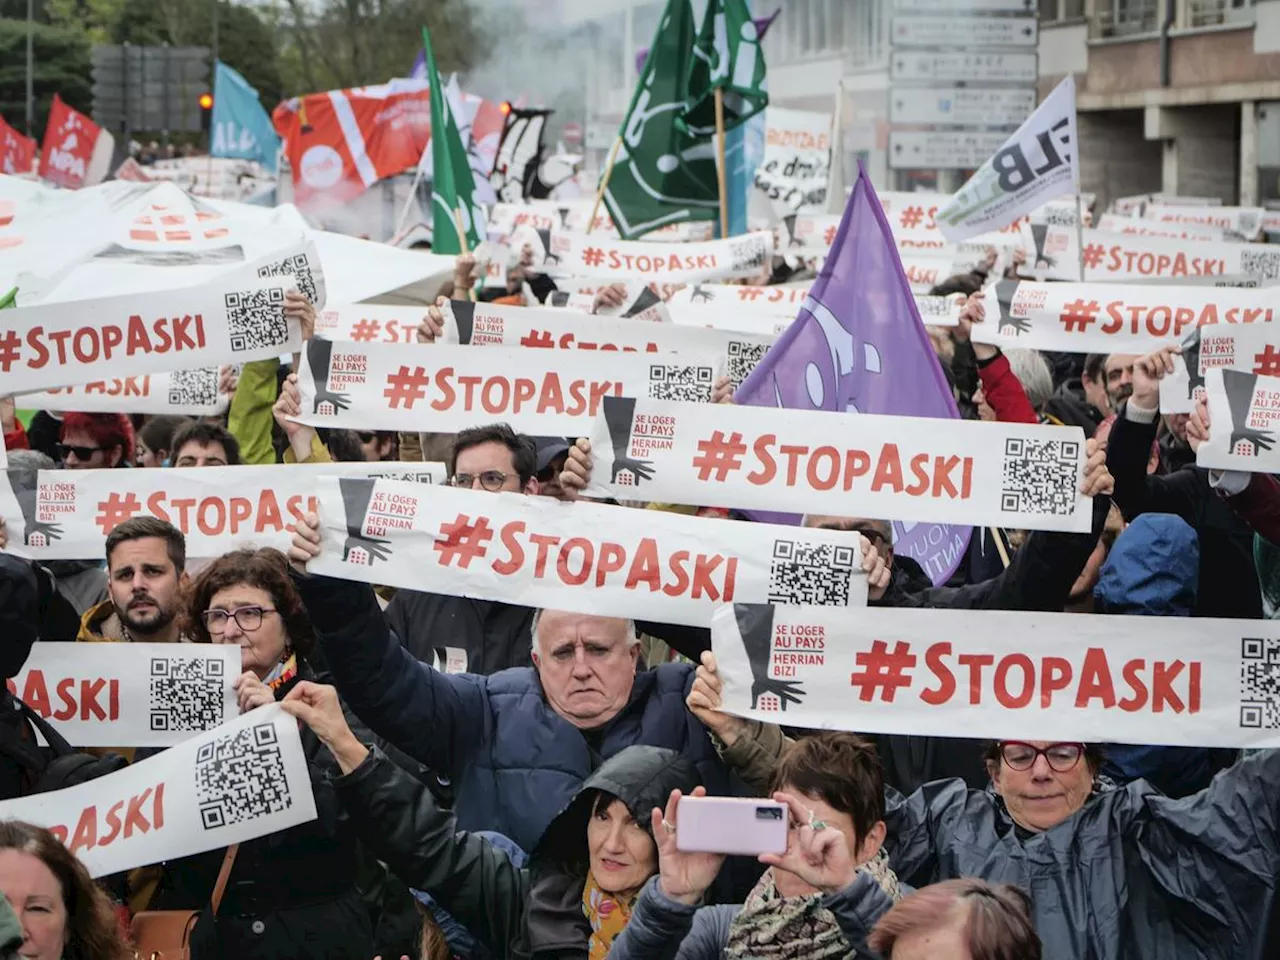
(455,218)
(240,126)
(727,57)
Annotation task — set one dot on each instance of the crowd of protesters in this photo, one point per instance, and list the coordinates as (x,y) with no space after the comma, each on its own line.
(526,805)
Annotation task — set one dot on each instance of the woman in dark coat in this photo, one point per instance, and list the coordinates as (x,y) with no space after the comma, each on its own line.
(291,894)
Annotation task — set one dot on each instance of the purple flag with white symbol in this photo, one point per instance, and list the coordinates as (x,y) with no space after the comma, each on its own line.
(858,345)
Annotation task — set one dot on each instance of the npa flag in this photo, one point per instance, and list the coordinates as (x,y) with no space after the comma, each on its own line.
(662,175)
(1035,165)
(241,128)
(858,345)
(728,57)
(76,151)
(17,153)
(456,221)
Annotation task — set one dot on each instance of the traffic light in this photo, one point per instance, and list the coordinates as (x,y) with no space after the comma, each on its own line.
(505,107)
(206,111)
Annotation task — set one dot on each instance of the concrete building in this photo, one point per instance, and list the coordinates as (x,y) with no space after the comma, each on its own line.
(1174,96)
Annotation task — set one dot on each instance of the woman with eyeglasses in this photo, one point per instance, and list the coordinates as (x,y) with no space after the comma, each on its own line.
(291,894)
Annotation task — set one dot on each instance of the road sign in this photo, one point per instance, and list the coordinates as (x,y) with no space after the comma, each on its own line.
(970,6)
(951,32)
(148,88)
(962,106)
(956,150)
(572,132)
(939,67)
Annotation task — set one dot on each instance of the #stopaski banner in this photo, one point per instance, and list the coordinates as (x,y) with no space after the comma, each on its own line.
(590,256)
(442,388)
(639,302)
(778,300)
(1111,256)
(770,310)
(1244,222)
(1002,675)
(240,781)
(1113,318)
(129,694)
(913,219)
(1248,349)
(486,324)
(590,558)
(185,392)
(1021,476)
(69,513)
(1115,223)
(1244,417)
(64,344)
(795,170)
(370,323)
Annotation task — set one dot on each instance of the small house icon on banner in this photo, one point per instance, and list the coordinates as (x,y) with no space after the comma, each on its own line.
(359,555)
(770,702)
(627,478)
(37,539)
(326,409)
(1245,448)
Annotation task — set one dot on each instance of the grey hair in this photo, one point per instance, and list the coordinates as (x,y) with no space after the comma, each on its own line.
(1032,371)
(537,618)
(30,460)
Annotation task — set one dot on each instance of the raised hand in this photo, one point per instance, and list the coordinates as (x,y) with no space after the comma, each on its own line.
(684,877)
(819,857)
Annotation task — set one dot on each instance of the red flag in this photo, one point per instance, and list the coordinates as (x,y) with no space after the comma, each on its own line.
(76,151)
(17,153)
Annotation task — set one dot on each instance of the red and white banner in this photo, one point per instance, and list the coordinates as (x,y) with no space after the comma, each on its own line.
(1115,223)
(1115,318)
(129,694)
(186,392)
(76,151)
(1003,675)
(486,324)
(370,323)
(586,557)
(1244,413)
(70,512)
(755,458)
(1248,349)
(1245,222)
(784,300)
(574,216)
(590,256)
(1111,256)
(442,388)
(17,153)
(240,781)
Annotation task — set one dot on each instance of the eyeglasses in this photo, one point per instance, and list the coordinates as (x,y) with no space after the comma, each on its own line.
(1061,757)
(491,480)
(82,453)
(247,619)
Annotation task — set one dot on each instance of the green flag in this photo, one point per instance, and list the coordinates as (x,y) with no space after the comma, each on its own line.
(662,175)
(10,299)
(727,56)
(452,204)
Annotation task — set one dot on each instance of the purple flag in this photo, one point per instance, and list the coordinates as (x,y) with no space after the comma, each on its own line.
(858,345)
(419,69)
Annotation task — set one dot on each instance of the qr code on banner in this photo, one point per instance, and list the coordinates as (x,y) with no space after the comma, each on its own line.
(1040,476)
(194,388)
(1261,263)
(297,267)
(811,573)
(186,695)
(669,381)
(748,254)
(241,776)
(743,358)
(256,319)
(1260,683)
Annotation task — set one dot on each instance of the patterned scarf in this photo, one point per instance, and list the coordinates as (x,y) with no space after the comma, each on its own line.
(608,915)
(282,673)
(770,927)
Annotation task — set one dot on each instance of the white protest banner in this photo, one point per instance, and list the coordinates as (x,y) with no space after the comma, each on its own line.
(68,513)
(591,256)
(782,300)
(926,269)
(370,323)
(130,694)
(487,324)
(492,262)
(1112,256)
(1249,349)
(65,344)
(755,458)
(795,170)
(187,392)
(810,232)
(566,300)
(1036,164)
(1244,222)
(1115,223)
(913,218)
(1002,674)
(586,557)
(639,302)
(1113,317)
(937,311)
(444,388)
(1244,413)
(242,780)
(726,316)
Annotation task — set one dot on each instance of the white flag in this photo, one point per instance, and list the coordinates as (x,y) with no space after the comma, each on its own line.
(1035,165)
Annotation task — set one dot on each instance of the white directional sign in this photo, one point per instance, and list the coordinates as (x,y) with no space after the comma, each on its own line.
(936,66)
(952,32)
(962,106)
(970,6)
(958,150)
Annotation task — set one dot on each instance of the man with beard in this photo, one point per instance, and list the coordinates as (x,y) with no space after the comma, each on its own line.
(145,569)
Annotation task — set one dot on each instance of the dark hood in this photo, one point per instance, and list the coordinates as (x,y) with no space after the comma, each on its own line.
(1152,570)
(19,613)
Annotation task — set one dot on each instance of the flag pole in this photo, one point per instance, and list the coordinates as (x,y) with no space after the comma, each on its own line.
(463,247)
(604,181)
(720,163)
(1080,231)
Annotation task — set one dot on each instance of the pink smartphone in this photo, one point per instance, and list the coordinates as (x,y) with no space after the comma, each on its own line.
(732,825)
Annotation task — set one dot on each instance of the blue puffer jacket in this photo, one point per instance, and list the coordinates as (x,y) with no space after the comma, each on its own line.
(515,763)
(1153,570)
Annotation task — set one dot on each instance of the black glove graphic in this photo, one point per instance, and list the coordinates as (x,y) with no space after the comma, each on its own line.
(51,531)
(373,549)
(787,691)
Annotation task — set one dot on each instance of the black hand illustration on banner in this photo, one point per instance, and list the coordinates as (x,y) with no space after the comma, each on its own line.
(1005,291)
(1038,233)
(789,224)
(357,492)
(619,415)
(1191,356)
(464,312)
(544,237)
(755,626)
(319,358)
(35,533)
(645,299)
(1239,389)
(700,295)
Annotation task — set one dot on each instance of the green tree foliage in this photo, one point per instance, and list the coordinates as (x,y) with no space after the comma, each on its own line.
(61,65)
